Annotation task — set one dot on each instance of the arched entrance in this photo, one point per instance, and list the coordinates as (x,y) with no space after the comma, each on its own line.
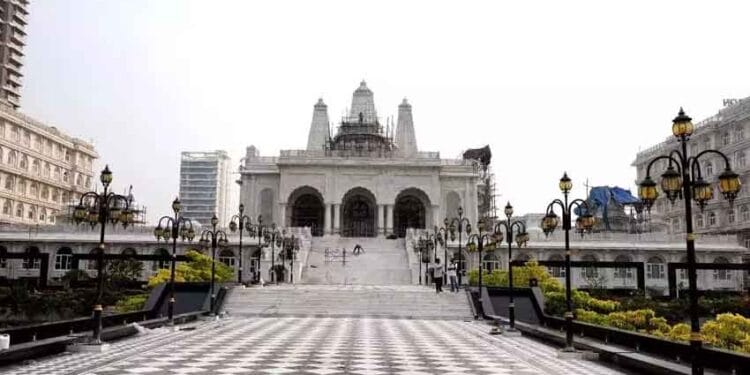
(307,209)
(359,213)
(410,210)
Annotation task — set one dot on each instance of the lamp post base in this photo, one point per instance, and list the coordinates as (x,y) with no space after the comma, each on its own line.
(92,347)
(512,332)
(569,353)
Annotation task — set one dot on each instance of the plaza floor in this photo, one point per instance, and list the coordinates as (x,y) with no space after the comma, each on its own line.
(317,345)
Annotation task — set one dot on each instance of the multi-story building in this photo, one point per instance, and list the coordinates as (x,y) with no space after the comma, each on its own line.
(41,169)
(12,40)
(205,186)
(729,132)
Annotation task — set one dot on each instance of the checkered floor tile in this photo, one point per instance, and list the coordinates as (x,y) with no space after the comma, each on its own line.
(320,346)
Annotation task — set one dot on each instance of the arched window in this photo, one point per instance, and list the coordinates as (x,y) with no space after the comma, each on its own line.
(722,275)
(24,163)
(655,268)
(523,257)
(31,213)
(709,169)
(45,192)
(34,189)
(725,139)
(26,138)
(699,220)
(7,206)
(161,263)
(730,215)
(79,180)
(491,262)
(739,158)
(557,271)
(711,218)
(745,213)
(19,210)
(589,272)
(623,273)
(10,183)
(88,182)
(31,263)
(35,167)
(129,251)
(65,176)
(226,256)
(14,134)
(12,158)
(64,259)
(739,134)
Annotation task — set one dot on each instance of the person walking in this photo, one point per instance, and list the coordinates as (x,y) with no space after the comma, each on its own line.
(452,275)
(437,273)
(358,249)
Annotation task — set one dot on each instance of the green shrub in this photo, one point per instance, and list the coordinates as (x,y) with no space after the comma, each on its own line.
(131,303)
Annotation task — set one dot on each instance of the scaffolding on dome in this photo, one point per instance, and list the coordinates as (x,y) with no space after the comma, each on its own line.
(363,136)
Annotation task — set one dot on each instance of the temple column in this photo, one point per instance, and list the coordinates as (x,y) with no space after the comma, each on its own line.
(381,214)
(327,224)
(435,216)
(389,219)
(282,215)
(336,217)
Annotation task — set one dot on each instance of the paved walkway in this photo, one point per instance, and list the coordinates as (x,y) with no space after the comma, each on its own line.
(320,346)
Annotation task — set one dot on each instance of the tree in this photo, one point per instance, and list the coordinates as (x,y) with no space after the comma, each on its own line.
(197,269)
(124,270)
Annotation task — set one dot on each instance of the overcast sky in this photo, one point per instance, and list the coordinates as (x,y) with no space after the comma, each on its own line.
(550,86)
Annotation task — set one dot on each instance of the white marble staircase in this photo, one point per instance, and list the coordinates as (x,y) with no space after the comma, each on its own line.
(387,301)
(383,262)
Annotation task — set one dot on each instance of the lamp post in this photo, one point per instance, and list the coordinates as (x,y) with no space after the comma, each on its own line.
(461,223)
(258,230)
(478,240)
(687,180)
(214,237)
(99,209)
(273,236)
(242,221)
(430,245)
(419,246)
(174,227)
(508,225)
(584,222)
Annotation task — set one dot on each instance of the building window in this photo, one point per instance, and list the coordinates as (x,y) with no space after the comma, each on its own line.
(739,134)
(589,272)
(623,273)
(67,155)
(10,183)
(699,221)
(730,215)
(12,158)
(683,271)
(557,271)
(14,134)
(722,275)
(745,212)
(26,138)
(45,193)
(79,180)
(163,263)
(655,268)
(47,169)
(725,140)
(31,263)
(65,176)
(64,259)
(43,215)
(91,264)
(35,167)
(490,262)
(57,173)
(31,213)
(24,163)
(226,256)
(711,218)
(709,169)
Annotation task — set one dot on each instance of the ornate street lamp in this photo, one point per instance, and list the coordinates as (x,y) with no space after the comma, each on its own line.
(213,237)
(99,209)
(441,236)
(584,223)
(461,223)
(290,246)
(173,228)
(683,178)
(478,241)
(243,222)
(257,230)
(507,226)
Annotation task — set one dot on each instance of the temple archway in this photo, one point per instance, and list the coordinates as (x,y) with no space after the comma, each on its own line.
(307,209)
(410,210)
(358,213)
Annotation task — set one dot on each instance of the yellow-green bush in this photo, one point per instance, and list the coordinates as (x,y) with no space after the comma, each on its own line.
(198,269)
(131,303)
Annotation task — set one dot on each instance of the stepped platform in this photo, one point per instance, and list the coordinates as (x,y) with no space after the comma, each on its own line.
(387,301)
(383,262)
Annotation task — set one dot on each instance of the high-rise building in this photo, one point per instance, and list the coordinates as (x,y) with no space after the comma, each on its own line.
(12,40)
(205,186)
(41,169)
(729,132)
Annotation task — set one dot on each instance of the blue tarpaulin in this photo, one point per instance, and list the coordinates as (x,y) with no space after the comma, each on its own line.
(600,196)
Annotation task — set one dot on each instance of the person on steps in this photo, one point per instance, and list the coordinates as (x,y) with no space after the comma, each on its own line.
(452,276)
(437,272)
(358,249)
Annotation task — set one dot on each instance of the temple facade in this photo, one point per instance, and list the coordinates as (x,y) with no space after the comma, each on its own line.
(365,178)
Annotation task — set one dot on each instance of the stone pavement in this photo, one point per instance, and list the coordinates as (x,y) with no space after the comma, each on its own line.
(309,345)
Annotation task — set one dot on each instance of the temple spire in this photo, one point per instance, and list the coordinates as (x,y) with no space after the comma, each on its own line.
(406,140)
(363,105)
(319,130)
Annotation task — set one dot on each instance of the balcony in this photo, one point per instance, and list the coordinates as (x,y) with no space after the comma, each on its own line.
(13,68)
(20,17)
(12,89)
(15,79)
(18,38)
(16,58)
